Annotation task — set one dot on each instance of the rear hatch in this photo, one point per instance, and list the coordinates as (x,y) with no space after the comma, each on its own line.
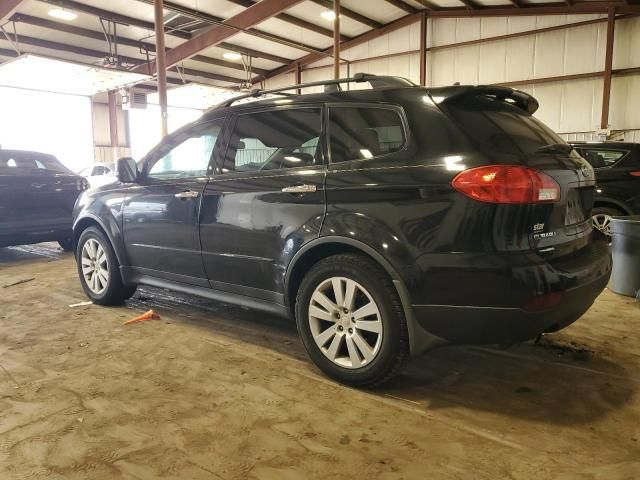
(37,193)
(500,123)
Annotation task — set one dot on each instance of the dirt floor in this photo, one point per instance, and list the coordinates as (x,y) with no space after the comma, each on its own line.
(217,392)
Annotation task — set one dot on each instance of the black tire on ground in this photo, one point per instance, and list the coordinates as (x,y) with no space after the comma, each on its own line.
(601,211)
(115,292)
(394,348)
(66,244)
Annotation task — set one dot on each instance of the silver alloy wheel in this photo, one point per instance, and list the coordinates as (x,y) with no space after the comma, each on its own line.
(95,266)
(345,322)
(602,222)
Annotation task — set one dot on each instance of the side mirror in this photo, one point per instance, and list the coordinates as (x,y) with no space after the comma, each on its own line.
(127,170)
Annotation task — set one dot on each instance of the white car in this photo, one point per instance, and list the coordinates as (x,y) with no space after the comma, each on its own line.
(99,174)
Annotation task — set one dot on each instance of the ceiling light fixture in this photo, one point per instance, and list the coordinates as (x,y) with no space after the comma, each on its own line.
(328,15)
(232,55)
(62,14)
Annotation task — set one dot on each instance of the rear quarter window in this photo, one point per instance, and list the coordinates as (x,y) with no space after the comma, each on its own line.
(360,133)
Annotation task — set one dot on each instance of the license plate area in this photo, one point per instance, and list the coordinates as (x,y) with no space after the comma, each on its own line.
(576,210)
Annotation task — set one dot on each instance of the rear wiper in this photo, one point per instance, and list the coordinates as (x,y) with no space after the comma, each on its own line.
(555,148)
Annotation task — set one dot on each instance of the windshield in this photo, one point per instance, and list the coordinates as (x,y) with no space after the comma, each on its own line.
(501,126)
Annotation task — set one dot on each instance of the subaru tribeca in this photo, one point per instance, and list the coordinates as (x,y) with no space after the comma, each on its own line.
(386,221)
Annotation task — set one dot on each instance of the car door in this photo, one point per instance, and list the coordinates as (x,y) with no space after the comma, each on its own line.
(265,200)
(160,220)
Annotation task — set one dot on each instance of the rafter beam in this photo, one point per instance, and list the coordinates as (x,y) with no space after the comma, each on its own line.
(428,5)
(216,34)
(212,19)
(88,52)
(402,6)
(7,8)
(328,4)
(94,34)
(136,22)
(555,9)
(470,4)
(298,22)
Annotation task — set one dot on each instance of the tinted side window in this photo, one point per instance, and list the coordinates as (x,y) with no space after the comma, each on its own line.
(274,140)
(602,158)
(186,154)
(26,162)
(357,133)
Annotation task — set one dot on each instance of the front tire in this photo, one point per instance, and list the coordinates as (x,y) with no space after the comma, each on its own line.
(99,270)
(351,321)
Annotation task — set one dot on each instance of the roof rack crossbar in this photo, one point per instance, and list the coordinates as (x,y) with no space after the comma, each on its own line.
(376,81)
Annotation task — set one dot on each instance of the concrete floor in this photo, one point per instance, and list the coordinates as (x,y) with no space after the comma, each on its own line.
(217,392)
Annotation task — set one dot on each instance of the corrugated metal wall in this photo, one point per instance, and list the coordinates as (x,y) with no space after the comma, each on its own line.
(571,107)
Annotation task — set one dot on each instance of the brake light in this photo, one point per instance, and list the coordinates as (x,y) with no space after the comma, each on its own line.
(635,174)
(510,184)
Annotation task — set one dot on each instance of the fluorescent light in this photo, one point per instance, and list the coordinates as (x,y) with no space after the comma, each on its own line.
(35,72)
(232,55)
(60,13)
(328,15)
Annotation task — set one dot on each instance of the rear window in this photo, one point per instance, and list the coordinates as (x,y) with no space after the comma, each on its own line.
(501,126)
(602,158)
(33,163)
(358,133)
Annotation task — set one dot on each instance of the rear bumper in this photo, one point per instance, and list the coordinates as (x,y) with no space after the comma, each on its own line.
(578,281)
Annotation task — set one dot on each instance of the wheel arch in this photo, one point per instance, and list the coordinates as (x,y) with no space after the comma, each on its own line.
(324,247)
(87,221)
(611,203)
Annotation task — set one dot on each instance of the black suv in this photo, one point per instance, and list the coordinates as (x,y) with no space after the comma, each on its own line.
(386,221)
(617,166)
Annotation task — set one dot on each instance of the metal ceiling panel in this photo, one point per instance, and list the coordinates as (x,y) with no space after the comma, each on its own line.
(294,33)
(311,12)
(380,11)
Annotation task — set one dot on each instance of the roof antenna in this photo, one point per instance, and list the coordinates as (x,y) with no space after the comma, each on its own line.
(457,84)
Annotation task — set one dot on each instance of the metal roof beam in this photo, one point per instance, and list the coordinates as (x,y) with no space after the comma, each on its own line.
(7,7)
(402,6)
(556,9)
(217,33)
(298,22)
(328,4)
(87,33)
(88,52)
(136,22)
(212,19)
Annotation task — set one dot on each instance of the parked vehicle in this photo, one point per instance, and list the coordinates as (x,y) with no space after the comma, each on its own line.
(99,174)
(37,195)
(617,167)
(386,221)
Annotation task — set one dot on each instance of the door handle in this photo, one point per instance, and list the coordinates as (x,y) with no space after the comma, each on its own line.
(300,189)
(187,194)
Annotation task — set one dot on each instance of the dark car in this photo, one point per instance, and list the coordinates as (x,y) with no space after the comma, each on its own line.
(386,221)
(617,167)
(37,195)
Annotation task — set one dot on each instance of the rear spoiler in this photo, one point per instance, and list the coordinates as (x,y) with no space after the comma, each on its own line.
(518,98)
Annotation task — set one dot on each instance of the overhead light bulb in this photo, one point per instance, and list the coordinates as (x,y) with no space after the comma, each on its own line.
(328,15)
(62,14)
(232,55)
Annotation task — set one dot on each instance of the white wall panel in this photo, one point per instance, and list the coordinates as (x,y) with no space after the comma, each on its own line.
(567,106)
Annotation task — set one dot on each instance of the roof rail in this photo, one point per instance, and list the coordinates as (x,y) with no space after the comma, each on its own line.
(376,81)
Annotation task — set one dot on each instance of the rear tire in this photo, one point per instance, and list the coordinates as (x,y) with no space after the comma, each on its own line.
(351,321)
(99,270)
(601,217)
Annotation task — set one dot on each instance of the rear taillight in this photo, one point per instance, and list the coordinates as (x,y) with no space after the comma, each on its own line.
(635,174)
(507,184)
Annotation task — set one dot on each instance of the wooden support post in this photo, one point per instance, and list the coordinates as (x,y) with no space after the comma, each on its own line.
(336,39)
(423,49)
(608,68)
(162,67)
